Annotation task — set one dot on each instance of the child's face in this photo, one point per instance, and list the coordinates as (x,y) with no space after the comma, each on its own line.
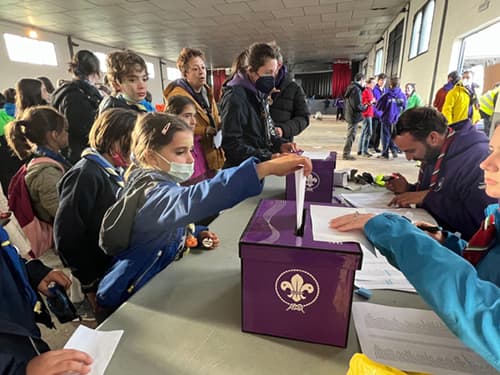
(188,115)
(178,151)
(134,85)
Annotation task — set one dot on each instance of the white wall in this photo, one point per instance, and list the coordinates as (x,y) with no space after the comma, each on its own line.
(463,18)
(12,71)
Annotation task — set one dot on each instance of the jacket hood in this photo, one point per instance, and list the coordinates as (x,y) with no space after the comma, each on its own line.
(181,82)
(242,80)
(395,92)
(352,86)
(282,76)
(117,224)
(76,85)
(467,136)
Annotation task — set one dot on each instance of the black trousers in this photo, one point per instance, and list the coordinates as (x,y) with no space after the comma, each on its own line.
(376,132)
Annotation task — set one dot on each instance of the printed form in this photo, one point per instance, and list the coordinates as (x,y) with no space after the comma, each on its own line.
(414,340)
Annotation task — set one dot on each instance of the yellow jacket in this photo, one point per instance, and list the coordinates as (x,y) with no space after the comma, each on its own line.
(214,156)
(487,101)
(456,105)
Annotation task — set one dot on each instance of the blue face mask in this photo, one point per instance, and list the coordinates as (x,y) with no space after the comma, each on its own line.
(265,84)
(178,171)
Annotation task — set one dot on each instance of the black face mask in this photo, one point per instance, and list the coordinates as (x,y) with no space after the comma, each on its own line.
(265,84)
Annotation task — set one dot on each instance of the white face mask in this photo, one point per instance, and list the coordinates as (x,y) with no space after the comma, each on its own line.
(466,82)
(178,171)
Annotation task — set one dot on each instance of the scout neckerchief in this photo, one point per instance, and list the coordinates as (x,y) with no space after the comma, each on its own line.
(132,103)
(481,242)
(57,156)
(439,162)
(96,157)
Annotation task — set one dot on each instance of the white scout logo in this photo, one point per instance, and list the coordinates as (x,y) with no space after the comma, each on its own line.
(312,181)
(297,289)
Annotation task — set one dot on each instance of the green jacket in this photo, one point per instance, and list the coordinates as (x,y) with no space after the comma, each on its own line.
(414,101)
(4,120)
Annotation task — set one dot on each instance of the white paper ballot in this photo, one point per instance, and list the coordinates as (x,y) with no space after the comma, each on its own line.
(218,139)
(320,218)
(99,345)
(300,193)
(413,340)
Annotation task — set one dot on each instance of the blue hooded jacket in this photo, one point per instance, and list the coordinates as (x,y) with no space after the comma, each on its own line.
(467,299)
(146,228)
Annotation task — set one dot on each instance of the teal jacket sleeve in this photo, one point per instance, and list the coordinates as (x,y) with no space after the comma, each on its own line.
(468,305)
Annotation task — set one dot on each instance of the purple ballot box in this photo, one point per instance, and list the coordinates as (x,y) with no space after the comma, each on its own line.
(293,286)
(319,184)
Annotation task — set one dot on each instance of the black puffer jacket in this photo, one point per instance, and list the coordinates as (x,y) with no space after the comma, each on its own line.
(78,101)
(353,107)
(289,109)
(245,130)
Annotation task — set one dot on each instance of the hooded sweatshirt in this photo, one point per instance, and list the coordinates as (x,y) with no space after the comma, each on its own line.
(391,104)
(458,204)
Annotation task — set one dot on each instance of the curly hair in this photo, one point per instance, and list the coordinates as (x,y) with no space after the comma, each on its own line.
(122,63)
(186,55)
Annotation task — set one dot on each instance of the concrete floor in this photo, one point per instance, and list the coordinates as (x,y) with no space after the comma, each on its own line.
(321,136)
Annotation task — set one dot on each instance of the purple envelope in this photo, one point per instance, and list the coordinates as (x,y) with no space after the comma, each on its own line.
(293,286)
(319,184)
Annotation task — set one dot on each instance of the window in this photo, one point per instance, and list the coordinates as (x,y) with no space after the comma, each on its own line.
(151,70)
(102,61)
(31,51)
(173,74)
(421,33)
(379,55)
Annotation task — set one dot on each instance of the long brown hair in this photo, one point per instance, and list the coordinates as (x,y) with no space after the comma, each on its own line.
(31,129)
(28,94)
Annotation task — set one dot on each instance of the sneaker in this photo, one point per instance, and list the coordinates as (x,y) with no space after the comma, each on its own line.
(386,157)
(367,155)
(377,150)
(349,157)
(394,155)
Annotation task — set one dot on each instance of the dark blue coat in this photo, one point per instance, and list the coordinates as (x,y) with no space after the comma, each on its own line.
(20,337)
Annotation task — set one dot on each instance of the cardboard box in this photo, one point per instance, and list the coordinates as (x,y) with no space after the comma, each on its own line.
(293,286)
(319,184)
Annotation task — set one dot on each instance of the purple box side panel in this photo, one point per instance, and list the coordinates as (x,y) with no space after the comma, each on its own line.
(319,185)
(299,300)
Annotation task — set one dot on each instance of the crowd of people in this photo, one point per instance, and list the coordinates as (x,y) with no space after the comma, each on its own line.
(114,181)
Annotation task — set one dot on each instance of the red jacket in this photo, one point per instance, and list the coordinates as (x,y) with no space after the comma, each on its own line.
(367,98)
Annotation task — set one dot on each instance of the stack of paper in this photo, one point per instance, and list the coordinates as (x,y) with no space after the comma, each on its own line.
(376,272)
(413,340)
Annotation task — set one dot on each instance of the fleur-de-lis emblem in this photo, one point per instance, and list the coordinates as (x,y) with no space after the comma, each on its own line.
(312,181)
(297,288)
(298,291)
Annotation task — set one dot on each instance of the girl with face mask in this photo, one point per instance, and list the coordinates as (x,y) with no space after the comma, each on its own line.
(247,127)
(151,224)
(86,191)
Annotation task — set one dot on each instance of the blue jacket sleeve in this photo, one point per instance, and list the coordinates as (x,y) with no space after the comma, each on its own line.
(180,205)
(468,305)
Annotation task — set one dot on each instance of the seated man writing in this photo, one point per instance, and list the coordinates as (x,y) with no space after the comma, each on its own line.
(449,180)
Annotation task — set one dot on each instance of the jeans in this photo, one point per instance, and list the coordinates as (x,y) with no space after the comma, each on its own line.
(350,137)
(387,143)
(366,133)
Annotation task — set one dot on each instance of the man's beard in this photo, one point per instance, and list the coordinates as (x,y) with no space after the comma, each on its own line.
(431,154)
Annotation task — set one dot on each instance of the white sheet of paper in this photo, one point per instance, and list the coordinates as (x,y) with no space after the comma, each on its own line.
(300,193)
(100,345)
(316,154)
(320,218)
(413,340)
(218,139)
